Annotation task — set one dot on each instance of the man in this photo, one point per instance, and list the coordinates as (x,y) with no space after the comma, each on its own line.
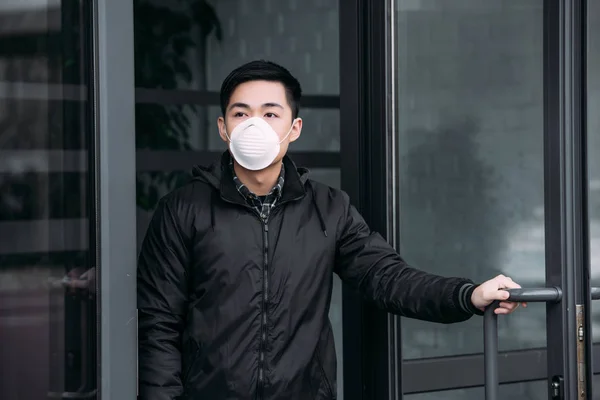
(235,273)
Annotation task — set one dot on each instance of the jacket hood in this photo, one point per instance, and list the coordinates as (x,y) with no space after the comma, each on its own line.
(210,174)
(219,176)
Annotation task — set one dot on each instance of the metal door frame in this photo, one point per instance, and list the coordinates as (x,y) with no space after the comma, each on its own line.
(115,220)
(566,195)
(371,336)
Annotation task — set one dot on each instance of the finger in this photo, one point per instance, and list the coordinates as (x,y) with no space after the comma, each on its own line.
(511,308)
(498,295)
(74,273)
(502,311)
(508,305)
(524,305)
(508,283)
(78,284)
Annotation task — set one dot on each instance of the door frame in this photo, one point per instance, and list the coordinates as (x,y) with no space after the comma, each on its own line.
(371,336)
(116,198)
(566,194)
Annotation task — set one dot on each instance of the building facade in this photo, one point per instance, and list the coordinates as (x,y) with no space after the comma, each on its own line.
(464,130)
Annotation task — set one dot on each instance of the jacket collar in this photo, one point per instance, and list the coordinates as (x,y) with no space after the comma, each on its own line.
(293,187)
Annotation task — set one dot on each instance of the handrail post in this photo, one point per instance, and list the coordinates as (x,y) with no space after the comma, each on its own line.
(490,345)
(490,330)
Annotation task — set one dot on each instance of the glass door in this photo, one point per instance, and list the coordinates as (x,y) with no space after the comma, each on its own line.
(48,247)
(490,144)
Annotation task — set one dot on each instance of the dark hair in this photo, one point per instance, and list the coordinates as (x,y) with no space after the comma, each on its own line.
(261,70)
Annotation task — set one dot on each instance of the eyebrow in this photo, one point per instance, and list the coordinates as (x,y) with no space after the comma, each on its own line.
(246,106)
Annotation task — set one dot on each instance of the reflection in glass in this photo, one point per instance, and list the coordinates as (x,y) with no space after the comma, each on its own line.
(193,44)
(470,126)
(47,279)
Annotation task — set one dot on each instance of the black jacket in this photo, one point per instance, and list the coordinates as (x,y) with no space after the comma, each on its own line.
(232,308)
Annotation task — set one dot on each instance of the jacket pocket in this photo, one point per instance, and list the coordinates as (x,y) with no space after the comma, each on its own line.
(326,382)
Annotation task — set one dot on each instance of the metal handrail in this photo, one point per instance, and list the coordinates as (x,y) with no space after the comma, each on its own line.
(490,329)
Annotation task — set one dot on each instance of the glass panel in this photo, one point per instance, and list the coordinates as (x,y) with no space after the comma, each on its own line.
(536,390)
(331,177)
(194,127)
(470,127)
(47,251)
(593,128)
(194,44)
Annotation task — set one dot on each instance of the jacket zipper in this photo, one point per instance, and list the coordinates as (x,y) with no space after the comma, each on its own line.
(265,299)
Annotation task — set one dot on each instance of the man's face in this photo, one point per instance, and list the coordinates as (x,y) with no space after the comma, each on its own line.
(266,100)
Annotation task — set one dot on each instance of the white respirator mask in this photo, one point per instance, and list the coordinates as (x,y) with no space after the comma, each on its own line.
(254,143)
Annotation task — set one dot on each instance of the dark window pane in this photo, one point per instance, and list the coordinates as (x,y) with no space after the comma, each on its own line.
(331,177)
(194,44)
(47,328)
(41,117)
(35,196)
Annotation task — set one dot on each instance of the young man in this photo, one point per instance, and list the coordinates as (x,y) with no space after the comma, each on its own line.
(235,273)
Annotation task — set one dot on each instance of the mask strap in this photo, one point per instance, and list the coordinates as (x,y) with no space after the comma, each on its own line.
(290,131)
(226,134)
(281,141)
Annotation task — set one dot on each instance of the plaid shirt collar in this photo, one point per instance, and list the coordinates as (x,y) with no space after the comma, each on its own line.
(262,206)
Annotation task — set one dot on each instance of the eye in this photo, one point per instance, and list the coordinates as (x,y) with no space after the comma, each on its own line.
(271,115)
(238,114)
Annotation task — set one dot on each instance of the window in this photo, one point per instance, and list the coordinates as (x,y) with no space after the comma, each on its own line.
(47,202)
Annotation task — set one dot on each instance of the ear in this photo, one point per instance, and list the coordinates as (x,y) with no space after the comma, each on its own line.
(222,129)
(296,130)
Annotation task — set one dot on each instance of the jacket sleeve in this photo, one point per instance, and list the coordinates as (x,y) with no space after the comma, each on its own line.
(369,264)
(162,299)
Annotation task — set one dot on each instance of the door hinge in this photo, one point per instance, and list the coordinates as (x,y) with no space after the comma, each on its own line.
(581,384)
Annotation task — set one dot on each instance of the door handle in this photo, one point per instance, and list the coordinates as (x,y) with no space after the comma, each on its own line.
(490,330)
(595,292)
(83,390)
